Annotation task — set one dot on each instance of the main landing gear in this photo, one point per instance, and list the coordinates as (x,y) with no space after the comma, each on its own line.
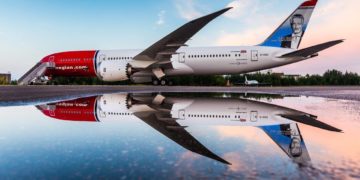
(162,82)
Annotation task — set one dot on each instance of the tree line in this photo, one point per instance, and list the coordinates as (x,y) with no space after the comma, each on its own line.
(330,77)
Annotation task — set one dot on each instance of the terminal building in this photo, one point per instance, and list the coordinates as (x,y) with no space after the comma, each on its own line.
(5,78)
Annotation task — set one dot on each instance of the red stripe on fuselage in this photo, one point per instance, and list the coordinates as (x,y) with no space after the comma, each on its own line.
(72,63)
(82,109)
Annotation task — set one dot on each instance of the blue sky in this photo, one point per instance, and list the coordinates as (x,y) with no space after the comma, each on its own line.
(29,30)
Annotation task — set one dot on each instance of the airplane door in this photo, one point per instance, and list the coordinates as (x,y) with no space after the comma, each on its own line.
(182,114)
(254,116)
(254,55)
(181,57)
(102,70)
(101,58)
(102,114)
(52,113)
(52,61)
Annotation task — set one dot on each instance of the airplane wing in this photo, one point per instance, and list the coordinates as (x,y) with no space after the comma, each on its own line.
(167,126)
(160,119)
(289,139)
(161,51)
(311,51)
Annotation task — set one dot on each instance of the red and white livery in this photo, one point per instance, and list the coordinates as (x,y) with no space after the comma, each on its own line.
(170,56)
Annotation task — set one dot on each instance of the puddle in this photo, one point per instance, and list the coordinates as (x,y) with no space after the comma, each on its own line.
(182,135)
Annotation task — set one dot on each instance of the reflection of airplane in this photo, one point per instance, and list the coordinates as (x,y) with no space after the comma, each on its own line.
(170,56)
(172,115)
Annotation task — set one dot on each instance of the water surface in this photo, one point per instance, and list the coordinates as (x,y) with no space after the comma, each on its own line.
(186,135)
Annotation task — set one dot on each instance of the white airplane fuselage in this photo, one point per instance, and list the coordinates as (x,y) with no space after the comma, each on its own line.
(197,61)
(198,111)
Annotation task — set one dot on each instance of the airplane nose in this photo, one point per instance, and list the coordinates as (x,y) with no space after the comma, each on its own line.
(49,58)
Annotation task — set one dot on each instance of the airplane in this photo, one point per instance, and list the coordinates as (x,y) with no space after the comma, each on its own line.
(171,56)
(251,82)
(172,115)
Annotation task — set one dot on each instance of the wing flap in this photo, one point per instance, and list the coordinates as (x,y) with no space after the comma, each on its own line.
(143,63)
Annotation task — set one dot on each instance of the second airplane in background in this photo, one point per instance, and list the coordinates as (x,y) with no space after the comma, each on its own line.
(170,56)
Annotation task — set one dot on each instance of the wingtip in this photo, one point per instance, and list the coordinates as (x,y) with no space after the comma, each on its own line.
(339,41)
(338,130)
(226,9)
(225,162)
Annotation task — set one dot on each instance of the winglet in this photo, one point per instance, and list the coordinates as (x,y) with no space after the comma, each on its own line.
(212,16)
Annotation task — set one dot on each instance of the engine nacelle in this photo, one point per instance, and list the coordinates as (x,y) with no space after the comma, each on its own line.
(111,71)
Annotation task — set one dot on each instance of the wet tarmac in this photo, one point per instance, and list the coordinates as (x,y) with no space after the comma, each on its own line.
(33,94)
(137,133)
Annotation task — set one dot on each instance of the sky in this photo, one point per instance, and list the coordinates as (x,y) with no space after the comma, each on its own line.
(30,30)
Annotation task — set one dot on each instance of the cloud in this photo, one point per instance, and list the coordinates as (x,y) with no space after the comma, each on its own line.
(246,37)
(161,18)
(247,133)
(238,163)
(328,9)
(240,8)
(249,32)
(187,9)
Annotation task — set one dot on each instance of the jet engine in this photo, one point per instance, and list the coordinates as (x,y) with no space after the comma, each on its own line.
(112,72)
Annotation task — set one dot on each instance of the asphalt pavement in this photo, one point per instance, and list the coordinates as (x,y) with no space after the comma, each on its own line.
(33,94)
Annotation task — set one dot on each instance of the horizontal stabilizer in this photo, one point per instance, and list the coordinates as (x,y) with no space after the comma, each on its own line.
(310,51)
(304,119)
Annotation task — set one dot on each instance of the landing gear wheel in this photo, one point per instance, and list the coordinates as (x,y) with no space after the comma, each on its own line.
(156,82)
(163,82)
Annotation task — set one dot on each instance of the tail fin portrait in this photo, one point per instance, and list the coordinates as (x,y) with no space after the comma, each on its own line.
(291,31)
